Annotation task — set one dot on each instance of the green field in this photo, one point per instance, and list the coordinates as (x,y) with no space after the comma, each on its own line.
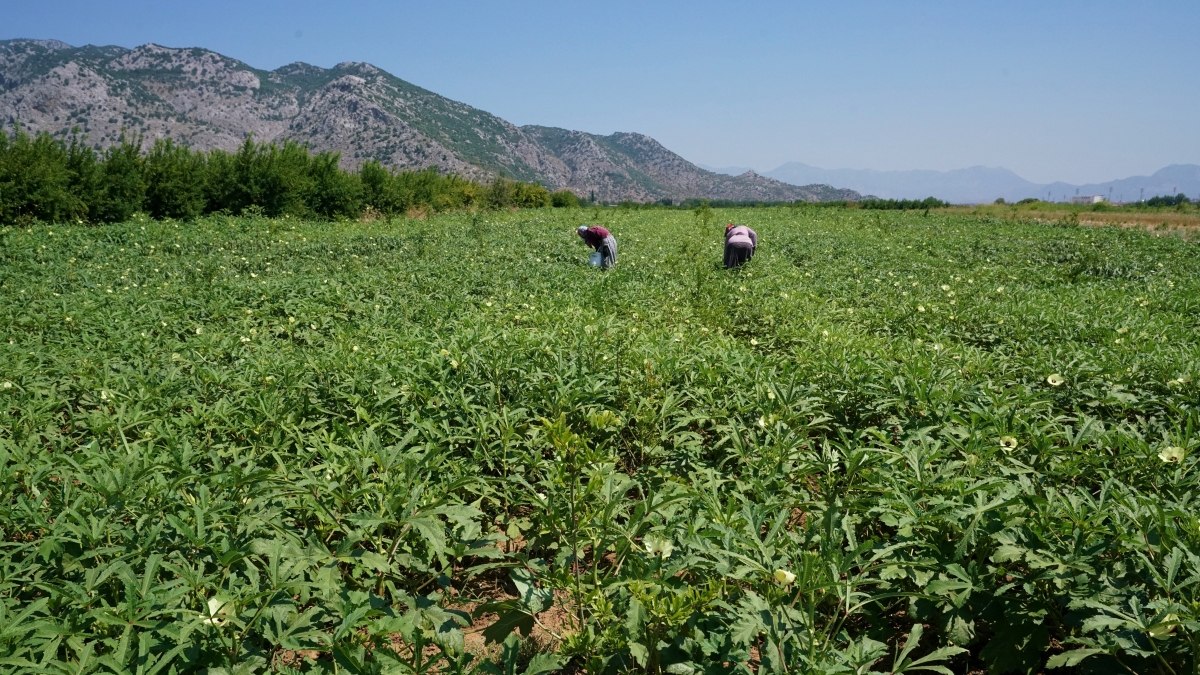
(894,441)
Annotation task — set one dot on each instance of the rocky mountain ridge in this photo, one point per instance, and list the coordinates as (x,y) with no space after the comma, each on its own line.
(205,100)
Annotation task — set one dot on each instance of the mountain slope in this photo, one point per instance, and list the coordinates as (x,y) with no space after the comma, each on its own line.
(208,101)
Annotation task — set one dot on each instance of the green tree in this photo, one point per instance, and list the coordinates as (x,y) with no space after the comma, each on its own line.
(221,191)
(564,199)
(123,191)
(86,180)
(35,181)
(174,181)
(377,185)
(530,196)
(501,194)
(332,193)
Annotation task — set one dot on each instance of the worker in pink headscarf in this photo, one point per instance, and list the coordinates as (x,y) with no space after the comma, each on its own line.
(740,242)
(602,240)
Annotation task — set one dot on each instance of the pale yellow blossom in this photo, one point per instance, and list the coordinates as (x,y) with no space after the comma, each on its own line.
(784,577)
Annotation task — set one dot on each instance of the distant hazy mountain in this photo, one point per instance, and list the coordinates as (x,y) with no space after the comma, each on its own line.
(204,100)
(1170,180)
(981,184)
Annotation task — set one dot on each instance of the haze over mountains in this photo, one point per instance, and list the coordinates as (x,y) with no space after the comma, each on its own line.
(982,184)
(204,100)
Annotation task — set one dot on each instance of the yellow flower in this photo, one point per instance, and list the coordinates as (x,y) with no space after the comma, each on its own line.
(1008,442)
(784,577)
(1054,380)
(1172,455)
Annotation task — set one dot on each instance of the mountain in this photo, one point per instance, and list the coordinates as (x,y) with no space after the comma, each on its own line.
(1168,181)
(981,184)
(204,100)
(727,170)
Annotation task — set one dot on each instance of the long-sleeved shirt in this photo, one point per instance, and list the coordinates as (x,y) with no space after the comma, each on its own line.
(740,235)
(594,236)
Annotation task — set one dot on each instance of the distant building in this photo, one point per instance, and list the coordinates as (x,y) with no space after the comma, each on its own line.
(1088,199)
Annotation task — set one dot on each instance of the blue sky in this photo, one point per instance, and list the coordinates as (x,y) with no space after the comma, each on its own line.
(1054,90)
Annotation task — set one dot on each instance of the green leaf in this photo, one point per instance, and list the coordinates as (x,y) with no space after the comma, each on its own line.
(545,663)
(640,653)
(1072,658)
(535,599)
(1006,553)
(635,618)
(512,617)
(960,630)
(1101,624)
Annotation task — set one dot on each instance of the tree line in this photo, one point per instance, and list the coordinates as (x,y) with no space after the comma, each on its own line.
(44,179)
(1165,200)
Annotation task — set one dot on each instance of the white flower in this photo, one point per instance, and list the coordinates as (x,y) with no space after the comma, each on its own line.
(784,577)
(1008,442)
(6,385)
(1054,380)
(659,547)
(1165,628)
(1172,455)
(218,611)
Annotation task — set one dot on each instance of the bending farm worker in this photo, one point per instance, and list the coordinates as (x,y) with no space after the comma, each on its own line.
(740,242)
(602,241)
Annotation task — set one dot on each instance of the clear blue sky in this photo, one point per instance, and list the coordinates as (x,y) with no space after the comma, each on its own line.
(1071,90)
